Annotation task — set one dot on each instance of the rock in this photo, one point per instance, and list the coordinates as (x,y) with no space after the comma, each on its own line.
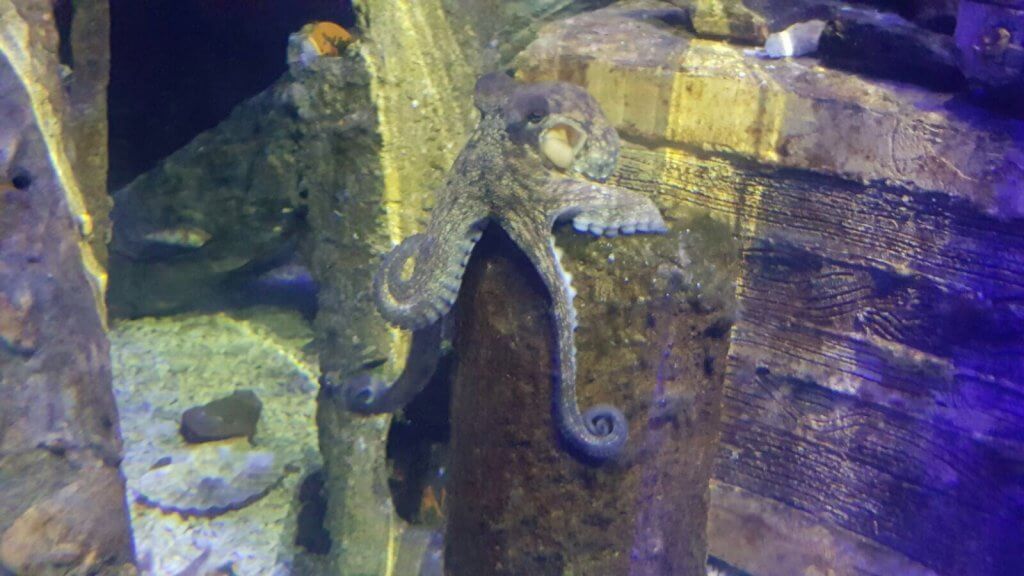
(190,229)
(180,230)
(62,501)
(18,334)
(887,46)
(77,526)
(89,46)
(233,416)
(935,15)
(729,20)
(210,480)
(159,361)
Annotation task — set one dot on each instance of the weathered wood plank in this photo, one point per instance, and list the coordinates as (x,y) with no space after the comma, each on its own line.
(903,233)
(876,372)
(929,491)
(891,320)
(925,388)
(877,303)
(782,541)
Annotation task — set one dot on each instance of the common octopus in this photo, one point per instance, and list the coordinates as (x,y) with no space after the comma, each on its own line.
(538,156)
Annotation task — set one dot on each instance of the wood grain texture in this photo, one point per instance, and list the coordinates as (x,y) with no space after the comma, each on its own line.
(875,371)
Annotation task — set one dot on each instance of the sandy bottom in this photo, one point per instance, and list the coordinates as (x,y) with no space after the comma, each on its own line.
(164,366)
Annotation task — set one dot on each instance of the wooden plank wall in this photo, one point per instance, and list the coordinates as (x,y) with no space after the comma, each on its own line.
(876,378)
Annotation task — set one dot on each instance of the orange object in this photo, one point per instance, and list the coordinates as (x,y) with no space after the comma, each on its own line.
(329,38)
(432,502)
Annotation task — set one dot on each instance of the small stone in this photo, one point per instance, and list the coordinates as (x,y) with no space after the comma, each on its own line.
(228,417)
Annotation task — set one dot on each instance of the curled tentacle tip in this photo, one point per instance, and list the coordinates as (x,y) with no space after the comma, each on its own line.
(609,432)
(363,392)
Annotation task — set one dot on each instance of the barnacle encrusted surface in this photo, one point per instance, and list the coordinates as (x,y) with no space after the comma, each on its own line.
(164,366)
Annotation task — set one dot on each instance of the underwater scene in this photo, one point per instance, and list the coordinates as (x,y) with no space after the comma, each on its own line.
(512,287)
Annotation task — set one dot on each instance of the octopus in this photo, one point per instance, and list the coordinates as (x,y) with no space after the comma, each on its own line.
(539,156)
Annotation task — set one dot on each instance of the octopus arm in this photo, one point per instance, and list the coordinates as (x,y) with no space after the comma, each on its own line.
(604,210)
(419,280)
(370,394)
(601,432)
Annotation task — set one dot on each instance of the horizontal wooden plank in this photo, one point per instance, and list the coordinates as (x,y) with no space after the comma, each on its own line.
(877,361)
(768,538)
(922,488)
(783,280)
(931,235)
(925,388)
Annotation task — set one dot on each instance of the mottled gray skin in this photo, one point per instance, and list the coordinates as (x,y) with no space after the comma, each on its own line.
(503,177)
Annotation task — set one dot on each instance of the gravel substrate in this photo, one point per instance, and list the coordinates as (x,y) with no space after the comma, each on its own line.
(163,366)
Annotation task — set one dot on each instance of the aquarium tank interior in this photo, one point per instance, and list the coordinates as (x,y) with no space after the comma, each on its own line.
(512,287)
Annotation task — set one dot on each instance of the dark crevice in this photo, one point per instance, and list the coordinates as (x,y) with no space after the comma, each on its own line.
(417,451)
(64,15)
(311,534)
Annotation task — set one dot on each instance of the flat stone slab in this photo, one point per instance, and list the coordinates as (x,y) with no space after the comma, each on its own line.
(659,85)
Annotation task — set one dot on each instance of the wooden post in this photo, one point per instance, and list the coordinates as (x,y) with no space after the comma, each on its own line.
(651,341)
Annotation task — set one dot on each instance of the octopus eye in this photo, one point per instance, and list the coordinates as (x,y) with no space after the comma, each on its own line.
(535,117)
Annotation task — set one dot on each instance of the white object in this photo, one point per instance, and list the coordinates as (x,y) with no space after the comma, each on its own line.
(799,39)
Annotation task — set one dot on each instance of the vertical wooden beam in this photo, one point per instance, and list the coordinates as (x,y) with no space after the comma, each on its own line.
(653,340)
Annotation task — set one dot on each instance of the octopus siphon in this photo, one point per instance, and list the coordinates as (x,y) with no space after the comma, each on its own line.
(539,156)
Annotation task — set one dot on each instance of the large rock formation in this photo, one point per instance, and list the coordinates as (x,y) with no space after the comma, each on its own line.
(872,404)
(62,507)
(231,199)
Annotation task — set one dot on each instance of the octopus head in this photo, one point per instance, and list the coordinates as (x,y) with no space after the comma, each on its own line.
(564,126)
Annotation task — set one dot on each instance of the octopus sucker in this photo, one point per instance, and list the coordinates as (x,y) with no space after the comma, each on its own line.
(539,155)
